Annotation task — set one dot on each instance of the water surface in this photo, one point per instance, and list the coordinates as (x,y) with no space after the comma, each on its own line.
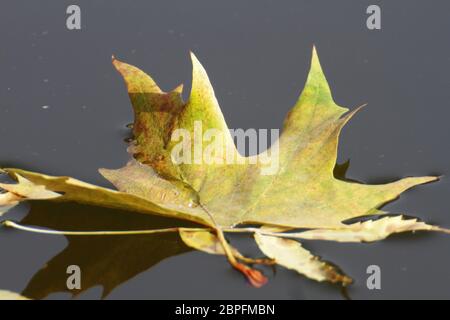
(63,111)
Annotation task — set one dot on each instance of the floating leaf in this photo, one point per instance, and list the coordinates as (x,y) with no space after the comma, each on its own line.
(303,193)
(298,186)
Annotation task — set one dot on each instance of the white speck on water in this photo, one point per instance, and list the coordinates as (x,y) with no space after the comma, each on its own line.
(45,80)
(45,107)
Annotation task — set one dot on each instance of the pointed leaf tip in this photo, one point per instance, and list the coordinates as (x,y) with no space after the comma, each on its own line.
(199,76)
(193,56)
(136,80)
(179,89)
(315,58)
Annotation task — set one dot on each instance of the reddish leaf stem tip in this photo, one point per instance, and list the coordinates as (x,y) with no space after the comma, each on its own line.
(255,277)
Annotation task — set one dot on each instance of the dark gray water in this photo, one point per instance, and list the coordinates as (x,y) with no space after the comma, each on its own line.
(257,56)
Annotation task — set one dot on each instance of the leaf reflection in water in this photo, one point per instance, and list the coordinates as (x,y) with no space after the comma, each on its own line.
(107,261)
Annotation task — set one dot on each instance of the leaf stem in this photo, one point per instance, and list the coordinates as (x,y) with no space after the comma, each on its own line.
(220,232)
(14,225)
